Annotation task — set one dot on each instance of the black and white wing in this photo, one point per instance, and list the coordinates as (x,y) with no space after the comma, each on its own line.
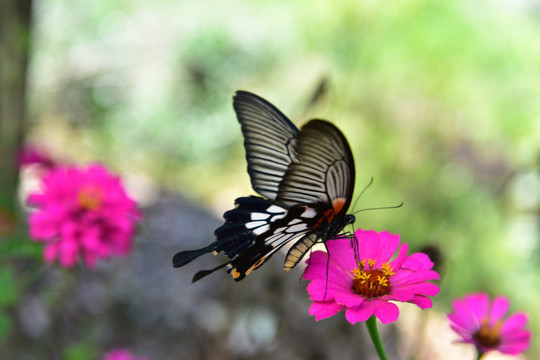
(269,139)
(307,179)
(256,229)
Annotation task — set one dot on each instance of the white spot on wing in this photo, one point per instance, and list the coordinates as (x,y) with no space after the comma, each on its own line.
(260,230)
(294,221)
(309,213)
(259,216)
(277,217)
(274,209)
(254,224)
(296,228)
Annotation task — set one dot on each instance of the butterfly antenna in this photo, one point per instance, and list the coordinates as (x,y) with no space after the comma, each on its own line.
(362,192)
(381,208)
(358,198)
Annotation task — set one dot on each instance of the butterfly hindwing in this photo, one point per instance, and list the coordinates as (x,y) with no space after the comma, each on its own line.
(325,170)
(253,231)
(299,249)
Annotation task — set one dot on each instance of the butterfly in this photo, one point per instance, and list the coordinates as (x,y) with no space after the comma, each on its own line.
(305,179)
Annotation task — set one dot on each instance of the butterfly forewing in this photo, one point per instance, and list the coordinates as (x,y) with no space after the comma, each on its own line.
(269,139)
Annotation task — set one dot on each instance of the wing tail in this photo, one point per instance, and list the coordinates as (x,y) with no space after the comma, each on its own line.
(204,273)
(185,257)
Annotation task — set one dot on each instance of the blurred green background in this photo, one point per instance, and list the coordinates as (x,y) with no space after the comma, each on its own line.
(440,101)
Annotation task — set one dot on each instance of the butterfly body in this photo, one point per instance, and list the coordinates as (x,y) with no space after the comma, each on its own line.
(305,178)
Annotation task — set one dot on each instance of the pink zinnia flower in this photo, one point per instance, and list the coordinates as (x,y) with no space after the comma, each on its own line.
(82,212)
(365,280)
(480,323)
(121,354)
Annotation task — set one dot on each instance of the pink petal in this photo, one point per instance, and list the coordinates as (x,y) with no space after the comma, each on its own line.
(90,241)
(423,302)
(513,323)
(499,307)
(349,299)
(50,253)
(324,309)
(424,288)
(40,230)
(385,311)
(89,259)
(321,290)
(317,266)
(367,244)
(380,246)
(327,278)
(36,199)
(342,253)
(402,256)
(404,278)
(68,253)
(359,313)
(399,295)
(388,245)
(478,305)
(417,262)
(517,345)
(463,317)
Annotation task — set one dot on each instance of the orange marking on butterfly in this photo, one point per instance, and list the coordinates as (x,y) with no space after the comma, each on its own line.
(338,204)
(258,263)
(329,215)
(235,273)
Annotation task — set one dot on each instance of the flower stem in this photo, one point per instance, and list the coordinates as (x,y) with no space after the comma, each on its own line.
(371,324)
(480,355)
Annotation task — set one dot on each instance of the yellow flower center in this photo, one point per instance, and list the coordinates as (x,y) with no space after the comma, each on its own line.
(90,198)
(488,335)
(372,283)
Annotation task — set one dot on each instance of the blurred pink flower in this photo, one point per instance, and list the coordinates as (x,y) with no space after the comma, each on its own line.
(121,354)
(480,323)
(364,280)
(82,212)
(30,154)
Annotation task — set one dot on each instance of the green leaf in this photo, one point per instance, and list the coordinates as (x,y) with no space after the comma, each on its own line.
(80,351)
(20,246)
(5,326)
(8,287)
